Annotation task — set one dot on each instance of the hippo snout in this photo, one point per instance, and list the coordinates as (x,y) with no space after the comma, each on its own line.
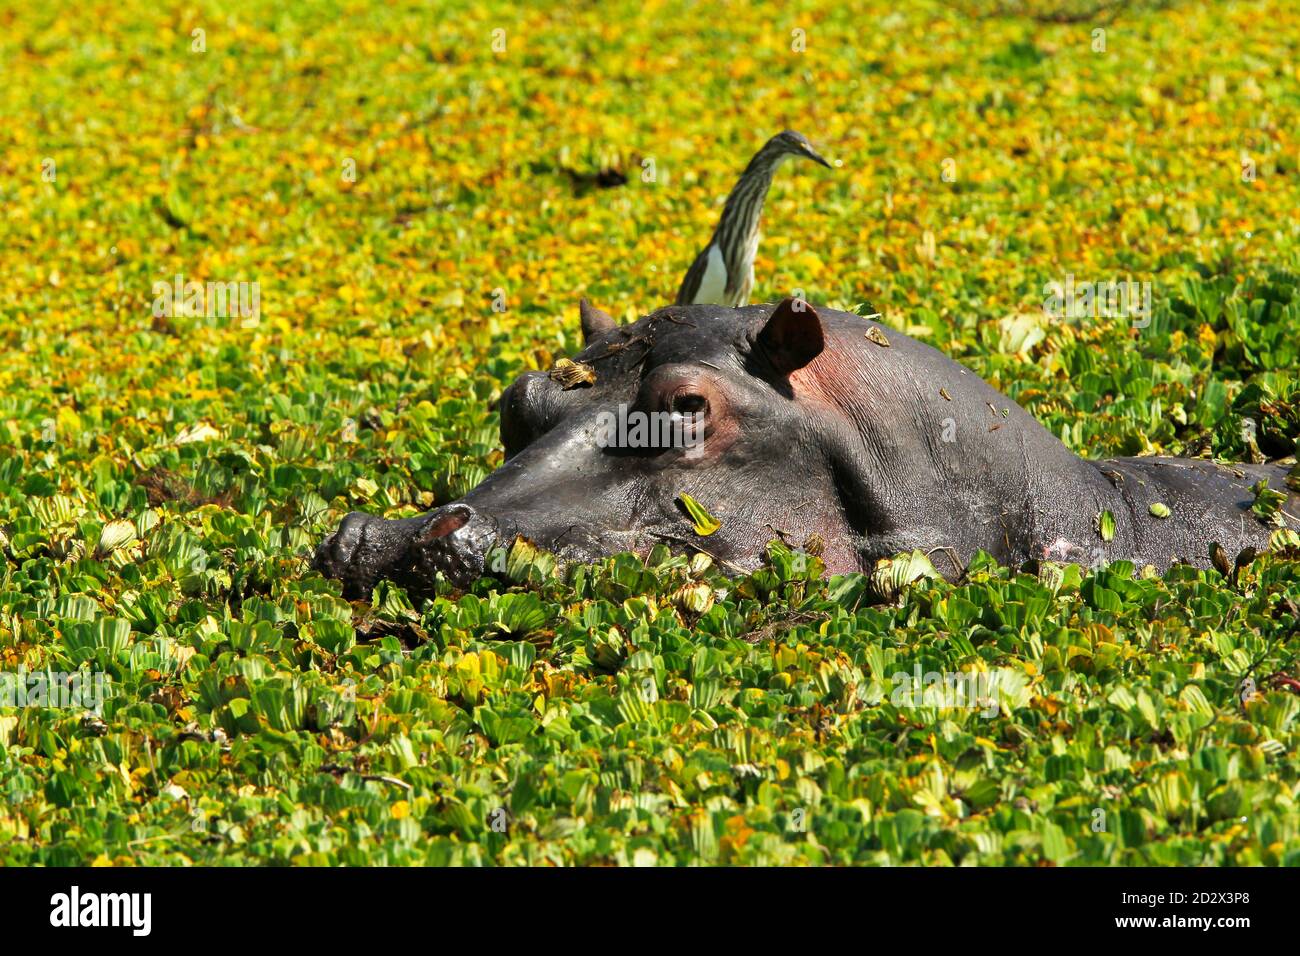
(453,541)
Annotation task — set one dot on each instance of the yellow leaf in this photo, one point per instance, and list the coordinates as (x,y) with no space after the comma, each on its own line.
(705,523)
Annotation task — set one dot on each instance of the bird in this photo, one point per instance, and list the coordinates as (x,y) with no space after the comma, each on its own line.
(723,272)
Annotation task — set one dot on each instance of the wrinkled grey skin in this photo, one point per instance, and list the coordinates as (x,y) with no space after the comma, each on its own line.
(812,427)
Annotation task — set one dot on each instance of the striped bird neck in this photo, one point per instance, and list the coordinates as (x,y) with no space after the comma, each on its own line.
(737,233)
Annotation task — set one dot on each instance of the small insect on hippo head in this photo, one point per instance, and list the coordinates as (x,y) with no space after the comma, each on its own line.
(733,410)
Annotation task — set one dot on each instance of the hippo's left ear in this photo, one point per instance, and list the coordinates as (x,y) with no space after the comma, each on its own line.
(595,322)
(792,337)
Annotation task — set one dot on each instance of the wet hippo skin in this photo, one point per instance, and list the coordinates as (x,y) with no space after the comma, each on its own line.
(808,422)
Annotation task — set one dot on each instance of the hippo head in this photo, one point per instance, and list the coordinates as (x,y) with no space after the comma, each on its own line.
(725,407)
(800,424)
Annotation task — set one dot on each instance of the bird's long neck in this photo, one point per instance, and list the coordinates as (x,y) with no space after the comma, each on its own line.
(737,232)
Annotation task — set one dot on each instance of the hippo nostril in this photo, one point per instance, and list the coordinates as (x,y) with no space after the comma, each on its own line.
(452,519)
(454,542)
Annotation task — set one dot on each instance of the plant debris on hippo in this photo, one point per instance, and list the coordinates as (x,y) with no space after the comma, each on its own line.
(808,425)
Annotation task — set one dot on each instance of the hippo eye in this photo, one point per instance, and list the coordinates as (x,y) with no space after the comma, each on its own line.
(689,404)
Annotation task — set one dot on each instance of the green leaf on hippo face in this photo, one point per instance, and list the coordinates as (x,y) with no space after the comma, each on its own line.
(1159,509)
(705,523)
(1105,525)
(1268,503)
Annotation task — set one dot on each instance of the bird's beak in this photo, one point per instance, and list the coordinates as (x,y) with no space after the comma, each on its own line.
(816,156)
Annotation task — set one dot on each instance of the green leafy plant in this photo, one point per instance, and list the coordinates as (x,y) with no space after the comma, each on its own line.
(421,213)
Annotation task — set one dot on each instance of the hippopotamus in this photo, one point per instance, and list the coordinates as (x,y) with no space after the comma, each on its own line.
(809,425)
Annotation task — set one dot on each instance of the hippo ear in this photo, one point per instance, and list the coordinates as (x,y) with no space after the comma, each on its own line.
(792,337)
(594,321)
